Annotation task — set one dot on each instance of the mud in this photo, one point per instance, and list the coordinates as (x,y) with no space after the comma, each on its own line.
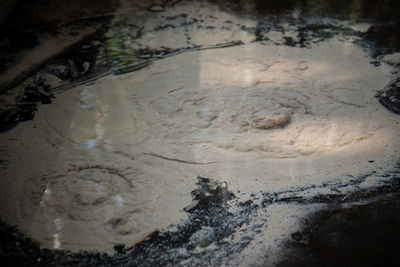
(278,111)
(77,62)
(360,229)
(193,242)
(82,60)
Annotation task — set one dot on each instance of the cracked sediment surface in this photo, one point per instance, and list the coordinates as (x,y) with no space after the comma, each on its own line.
(113,161)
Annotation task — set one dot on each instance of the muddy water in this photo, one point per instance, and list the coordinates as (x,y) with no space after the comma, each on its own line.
(112,161)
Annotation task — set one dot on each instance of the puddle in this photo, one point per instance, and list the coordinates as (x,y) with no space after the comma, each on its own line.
(274,110)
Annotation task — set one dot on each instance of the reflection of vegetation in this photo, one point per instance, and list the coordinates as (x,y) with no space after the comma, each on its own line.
(336,8)
(120,37)
(326,31)
(319,32)
(315,33)
(114,47)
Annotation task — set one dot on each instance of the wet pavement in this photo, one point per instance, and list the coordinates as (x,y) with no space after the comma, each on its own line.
(207,132)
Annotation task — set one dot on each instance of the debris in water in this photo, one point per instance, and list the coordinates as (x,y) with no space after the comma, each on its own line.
(390,96)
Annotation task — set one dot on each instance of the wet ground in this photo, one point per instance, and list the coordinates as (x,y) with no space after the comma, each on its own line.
(190,133)
(361,235)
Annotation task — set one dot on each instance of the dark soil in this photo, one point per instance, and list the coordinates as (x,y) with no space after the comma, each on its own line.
(362,235)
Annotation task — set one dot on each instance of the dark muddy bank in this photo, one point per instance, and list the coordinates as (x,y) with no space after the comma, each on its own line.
(365,234)
(358,229)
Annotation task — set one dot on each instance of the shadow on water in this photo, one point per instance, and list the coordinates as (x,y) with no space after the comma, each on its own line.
(384,15)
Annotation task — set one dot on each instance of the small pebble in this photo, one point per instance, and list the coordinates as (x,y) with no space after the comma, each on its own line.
(156,8)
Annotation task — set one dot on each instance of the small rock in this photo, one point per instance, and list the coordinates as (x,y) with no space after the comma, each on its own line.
(58,70)
(375,63)
(86,66)
(72,71)
(203,237)
(95,43)
(35,94)
(51,79)
(156,8)
(191,206)
(392,59)
(276,37)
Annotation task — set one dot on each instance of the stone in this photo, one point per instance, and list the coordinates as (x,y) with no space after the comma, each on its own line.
(203,237)
(156,8)
(51,79)
(392,59)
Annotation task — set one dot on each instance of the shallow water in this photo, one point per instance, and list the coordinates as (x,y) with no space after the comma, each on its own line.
(111,161)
